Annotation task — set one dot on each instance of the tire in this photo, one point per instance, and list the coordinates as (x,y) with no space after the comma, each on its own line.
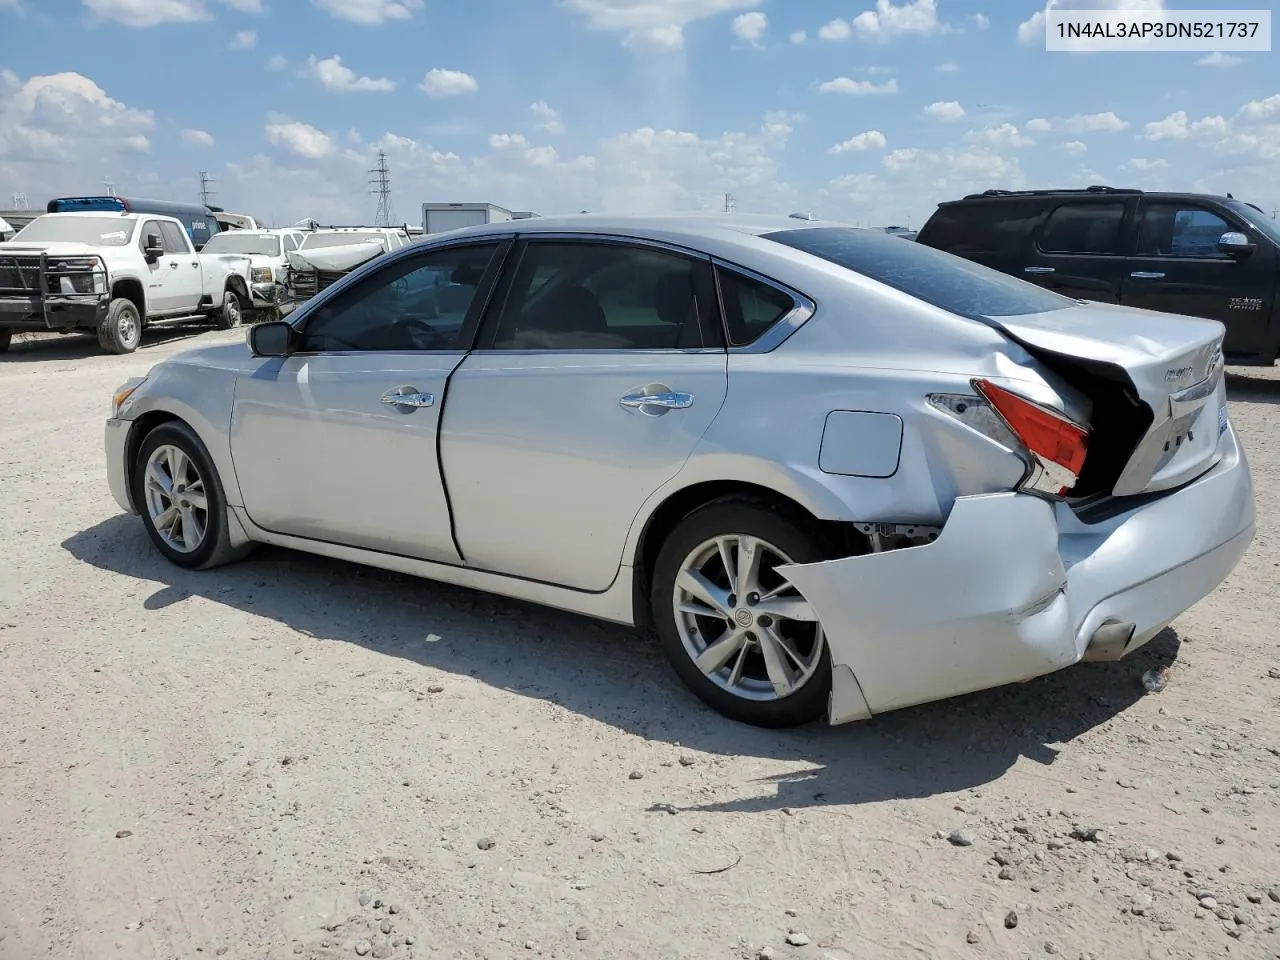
(6,338)
(121,329)
(779,533)
(211,546)
(231,314)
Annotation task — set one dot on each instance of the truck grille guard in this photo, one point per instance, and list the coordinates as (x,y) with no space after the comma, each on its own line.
(39,284)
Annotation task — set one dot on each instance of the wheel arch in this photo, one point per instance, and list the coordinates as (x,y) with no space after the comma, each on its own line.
(236,284)
(142,426)
(131,289)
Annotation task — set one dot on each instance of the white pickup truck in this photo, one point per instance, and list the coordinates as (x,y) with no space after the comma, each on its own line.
(268,252)
(113,273)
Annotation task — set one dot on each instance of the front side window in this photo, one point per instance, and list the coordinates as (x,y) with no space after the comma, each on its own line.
(569,295)
(150,228)
(1179,230)
(960,286)
(1084,228)
(418,303)
(175,243)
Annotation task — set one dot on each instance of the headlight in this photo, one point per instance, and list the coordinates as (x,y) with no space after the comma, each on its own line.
(123,393)
(260,274)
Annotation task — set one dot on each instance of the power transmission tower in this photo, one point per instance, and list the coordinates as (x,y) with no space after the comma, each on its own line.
(109,185)
(19,201)
(381,183)
(205,193)
(730,204)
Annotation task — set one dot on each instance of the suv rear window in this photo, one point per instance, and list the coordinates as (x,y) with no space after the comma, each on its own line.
(985,230)
(950,282)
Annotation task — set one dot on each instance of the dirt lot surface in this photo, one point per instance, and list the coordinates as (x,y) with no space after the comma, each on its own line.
(294,757)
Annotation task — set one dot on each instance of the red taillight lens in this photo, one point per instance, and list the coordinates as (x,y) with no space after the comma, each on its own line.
(1046,434)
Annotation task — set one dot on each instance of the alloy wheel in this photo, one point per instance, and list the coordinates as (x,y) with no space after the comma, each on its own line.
(177,503)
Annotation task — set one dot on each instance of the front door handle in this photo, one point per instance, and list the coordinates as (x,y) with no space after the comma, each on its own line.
(1146,275)
(173,264)
(407,398)
(1037,269)
(196,264)
(657,402)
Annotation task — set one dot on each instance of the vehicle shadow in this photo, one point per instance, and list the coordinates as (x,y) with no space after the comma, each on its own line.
(37,347)
(616,676)
(1256,388)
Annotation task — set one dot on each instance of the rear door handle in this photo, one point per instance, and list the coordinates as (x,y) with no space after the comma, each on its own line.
(1037,269)
(407,398)
(1146,275)
(657,403)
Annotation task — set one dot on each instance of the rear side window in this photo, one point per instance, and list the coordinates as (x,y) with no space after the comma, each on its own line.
(290,244)
(985,231)
(174,241)
(1084,228)
(750,306)
(960,286)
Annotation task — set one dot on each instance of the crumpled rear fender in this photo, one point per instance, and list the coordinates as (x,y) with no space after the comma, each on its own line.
(983,604)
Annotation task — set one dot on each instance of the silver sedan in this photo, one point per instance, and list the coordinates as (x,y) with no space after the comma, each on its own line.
(834,472)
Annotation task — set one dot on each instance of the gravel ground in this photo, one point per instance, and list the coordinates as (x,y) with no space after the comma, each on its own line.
(299,757)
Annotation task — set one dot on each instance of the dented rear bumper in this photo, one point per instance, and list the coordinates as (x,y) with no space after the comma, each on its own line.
(1016,587)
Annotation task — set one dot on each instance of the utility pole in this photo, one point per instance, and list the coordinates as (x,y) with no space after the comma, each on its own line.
(730,204)
(205,193)
(109,185)
(381,183)
(19,201)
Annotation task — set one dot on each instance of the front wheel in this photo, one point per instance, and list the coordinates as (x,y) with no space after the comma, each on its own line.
(740,636)
(121,329)
(6,338)
(181,500)
(231,313)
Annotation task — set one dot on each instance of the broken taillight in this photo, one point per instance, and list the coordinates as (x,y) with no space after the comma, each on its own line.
(1055,444)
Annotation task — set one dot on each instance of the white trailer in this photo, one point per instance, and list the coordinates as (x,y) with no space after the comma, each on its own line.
(439,217)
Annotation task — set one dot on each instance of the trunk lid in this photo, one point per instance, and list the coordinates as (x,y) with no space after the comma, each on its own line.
(1170,365)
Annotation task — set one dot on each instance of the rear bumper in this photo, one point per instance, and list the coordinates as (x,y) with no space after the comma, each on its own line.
(1016,587)
(116,441)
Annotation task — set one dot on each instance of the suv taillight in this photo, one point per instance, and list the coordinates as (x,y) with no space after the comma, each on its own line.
(1055,444)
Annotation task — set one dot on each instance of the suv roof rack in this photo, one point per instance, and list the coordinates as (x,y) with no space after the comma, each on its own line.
(1096,188)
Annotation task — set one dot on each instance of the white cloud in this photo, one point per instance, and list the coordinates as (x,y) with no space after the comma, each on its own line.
(750,26)
(945,110)
(1095,123)
(1074,148)
(137,143)
(1003,135)
(1215,126)
(300,138)
(857,88)
(1031,30)
(980,20)
(1261,109)
(439,83)
(199,137)
(1141,163)
(947,67)
(870,140)
(1220,59)
(331,74)
(887,21)
(798,36)
(547,118)
(371,12)
(835,30)
(244,40)
(651,25)
(64,118)
(1172,127)
(1038,125)
(151,13)
(277,63)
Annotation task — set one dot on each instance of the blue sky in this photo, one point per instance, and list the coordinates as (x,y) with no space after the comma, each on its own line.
(866,110)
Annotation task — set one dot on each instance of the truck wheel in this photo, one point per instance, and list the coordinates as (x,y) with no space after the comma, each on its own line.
(231,313)
(121,329)
(6,337)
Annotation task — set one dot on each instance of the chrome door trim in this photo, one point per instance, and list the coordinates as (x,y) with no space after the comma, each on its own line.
(786,325)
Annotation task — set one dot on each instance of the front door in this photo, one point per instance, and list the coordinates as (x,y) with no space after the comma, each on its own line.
(1179,269)
(163,295)
(592,385)
(338,441)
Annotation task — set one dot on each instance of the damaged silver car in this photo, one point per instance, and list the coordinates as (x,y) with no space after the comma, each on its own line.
(836,473)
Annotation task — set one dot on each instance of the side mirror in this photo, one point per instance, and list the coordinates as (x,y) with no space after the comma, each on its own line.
(154,249)
(1235,244)
(272,339)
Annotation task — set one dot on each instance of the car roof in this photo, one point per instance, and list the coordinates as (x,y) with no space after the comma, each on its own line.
(989,196)
(691,227)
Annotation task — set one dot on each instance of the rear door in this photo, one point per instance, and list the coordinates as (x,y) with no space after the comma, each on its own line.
(185,286)
(995,232)
(1078,250)
(1178,268)
(589,389)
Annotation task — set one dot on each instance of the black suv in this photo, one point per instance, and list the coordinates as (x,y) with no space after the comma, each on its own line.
(1187,253)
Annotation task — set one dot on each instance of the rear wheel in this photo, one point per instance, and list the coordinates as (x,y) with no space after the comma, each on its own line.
(181,500)
(6,338)
(740,636)
(121,329)
(231,312)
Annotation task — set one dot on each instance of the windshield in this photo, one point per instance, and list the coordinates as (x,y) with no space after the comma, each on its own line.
(316,240)
(94,231)
(233,242)
(946,281)
(1256,219)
